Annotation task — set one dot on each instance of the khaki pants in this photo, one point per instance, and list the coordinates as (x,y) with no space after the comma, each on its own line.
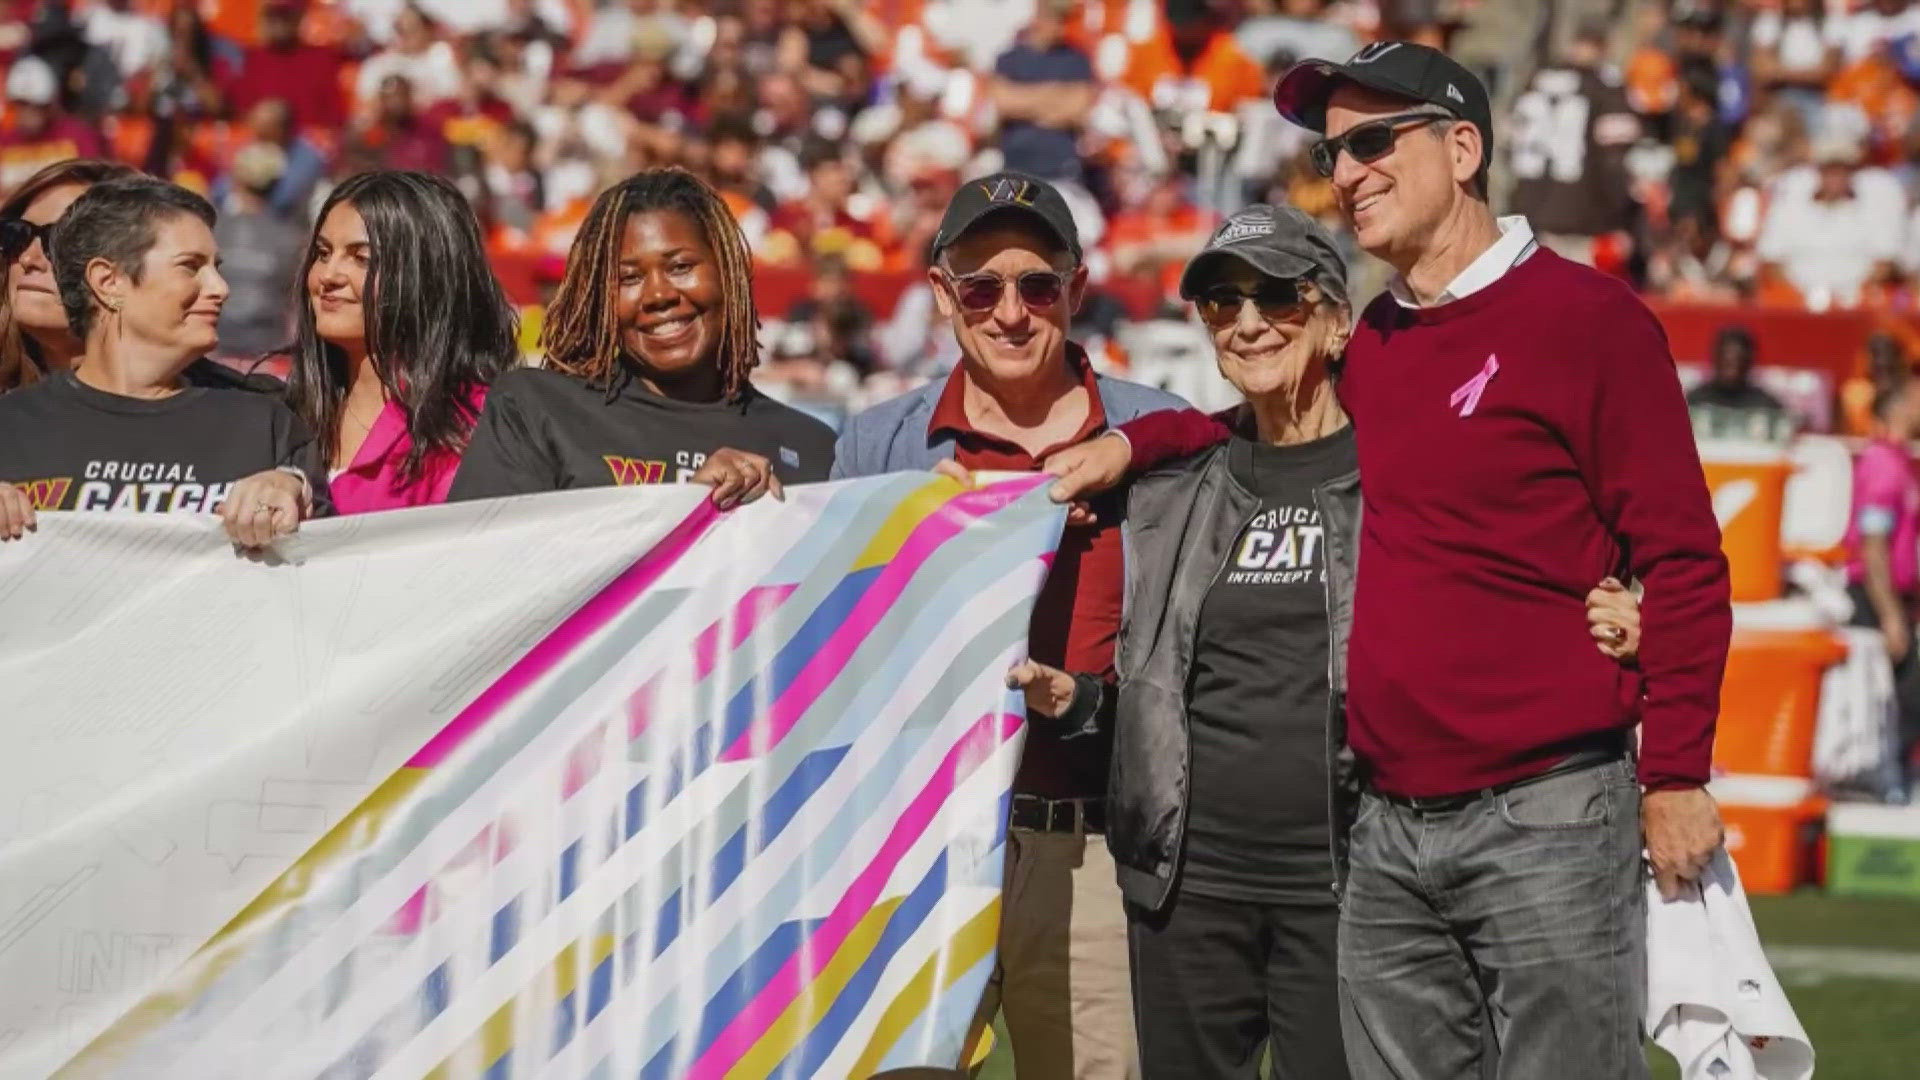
(1062,980)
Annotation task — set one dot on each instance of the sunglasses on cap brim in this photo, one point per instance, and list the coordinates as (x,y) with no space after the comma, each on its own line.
(1368,142)
(1277,300)
(982,292)
(18,234)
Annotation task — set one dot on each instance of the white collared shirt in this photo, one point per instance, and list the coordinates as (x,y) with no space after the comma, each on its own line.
(1515,244)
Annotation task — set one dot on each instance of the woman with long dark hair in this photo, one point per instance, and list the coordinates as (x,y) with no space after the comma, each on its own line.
(120,429)
(403,329)
(649,341)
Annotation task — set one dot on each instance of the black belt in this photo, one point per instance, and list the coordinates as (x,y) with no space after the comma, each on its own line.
(1591,758)
(1058,815)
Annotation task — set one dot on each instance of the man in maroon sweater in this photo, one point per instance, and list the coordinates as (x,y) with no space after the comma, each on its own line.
(1521,433)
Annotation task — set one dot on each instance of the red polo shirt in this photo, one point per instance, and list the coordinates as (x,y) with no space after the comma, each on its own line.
(1076,619)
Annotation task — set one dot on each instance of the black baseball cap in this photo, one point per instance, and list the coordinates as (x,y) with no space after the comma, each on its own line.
(1400,68)
(1014,193)
(1278,241)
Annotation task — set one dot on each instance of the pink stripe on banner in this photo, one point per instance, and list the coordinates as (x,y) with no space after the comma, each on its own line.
(813,955)
(936,529)
(597,612)
(753,609)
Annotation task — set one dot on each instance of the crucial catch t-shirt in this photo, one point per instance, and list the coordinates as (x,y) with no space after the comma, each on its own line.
(547,431)
(71,446)
(1257,715)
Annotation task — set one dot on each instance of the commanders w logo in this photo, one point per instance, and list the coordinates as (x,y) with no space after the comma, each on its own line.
(1018,192)
(46,494)
(629,471)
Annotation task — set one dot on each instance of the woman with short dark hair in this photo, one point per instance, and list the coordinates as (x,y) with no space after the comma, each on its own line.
(139,279)
(649,343)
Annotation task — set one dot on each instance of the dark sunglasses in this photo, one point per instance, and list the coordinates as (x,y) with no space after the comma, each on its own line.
(982,292)
(18,234)
(1278,299)
(1367,142)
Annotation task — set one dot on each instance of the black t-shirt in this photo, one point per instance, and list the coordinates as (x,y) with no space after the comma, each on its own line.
(74,447)
(1257,812)
(546,431)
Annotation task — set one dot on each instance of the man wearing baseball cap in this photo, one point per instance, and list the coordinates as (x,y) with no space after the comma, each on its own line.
(1522,434)
(1006,273)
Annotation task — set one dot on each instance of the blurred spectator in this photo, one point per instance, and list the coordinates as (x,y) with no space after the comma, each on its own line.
(1568,147)
(261,250)
(1793,55)
(397,137)
(302,165)
(307,77)
(1731,385)
(1870,26)
(826,220)
(1194,65)
(428,63)
(1830,233)
(977,32)
(1043,88)
(37,132)
(839,321)
(610,37)
(184,80)
(1297,30)
(1158,233)
(1701,142)
(1887,369)
(133,40)
(516,192)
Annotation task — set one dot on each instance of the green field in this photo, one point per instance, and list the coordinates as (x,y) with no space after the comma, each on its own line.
(1852,968)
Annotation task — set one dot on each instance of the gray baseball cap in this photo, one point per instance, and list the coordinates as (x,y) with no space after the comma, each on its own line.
(1278,241)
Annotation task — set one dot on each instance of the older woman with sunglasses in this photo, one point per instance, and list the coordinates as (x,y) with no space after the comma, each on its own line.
(1231,782)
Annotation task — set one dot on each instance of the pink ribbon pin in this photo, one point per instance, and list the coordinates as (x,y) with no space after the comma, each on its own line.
(1471,390)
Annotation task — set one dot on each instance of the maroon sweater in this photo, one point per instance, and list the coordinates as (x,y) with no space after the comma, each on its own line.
(1487,518)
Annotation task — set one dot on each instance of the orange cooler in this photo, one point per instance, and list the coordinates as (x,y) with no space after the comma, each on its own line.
(1773,830)
(1770,700)
(1749,486)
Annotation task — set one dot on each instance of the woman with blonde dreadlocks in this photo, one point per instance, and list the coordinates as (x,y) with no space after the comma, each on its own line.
(649,342)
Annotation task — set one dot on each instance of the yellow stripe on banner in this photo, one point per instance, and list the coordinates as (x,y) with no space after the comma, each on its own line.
(342,842)
(966,949)
(495,1036)
(914,509)
(816,998)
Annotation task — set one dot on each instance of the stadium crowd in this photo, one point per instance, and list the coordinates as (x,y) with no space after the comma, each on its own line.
(1705,149)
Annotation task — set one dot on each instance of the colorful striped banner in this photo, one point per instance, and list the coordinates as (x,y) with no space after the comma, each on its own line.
(740,812)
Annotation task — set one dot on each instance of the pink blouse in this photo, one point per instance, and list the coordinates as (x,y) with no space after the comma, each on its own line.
(372,482)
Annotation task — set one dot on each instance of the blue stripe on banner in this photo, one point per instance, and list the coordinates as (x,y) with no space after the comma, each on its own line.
(794,656)
(599,992)
(778,812)
(760,967)
(435,993)
(569,869)
(799,786)
(502,1069)
(735,994)
(806,1058)
(564,1023)
(600,987)
(506,930)
(636,808)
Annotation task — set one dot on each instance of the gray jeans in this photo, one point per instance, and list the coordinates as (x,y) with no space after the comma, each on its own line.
(1524,909)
